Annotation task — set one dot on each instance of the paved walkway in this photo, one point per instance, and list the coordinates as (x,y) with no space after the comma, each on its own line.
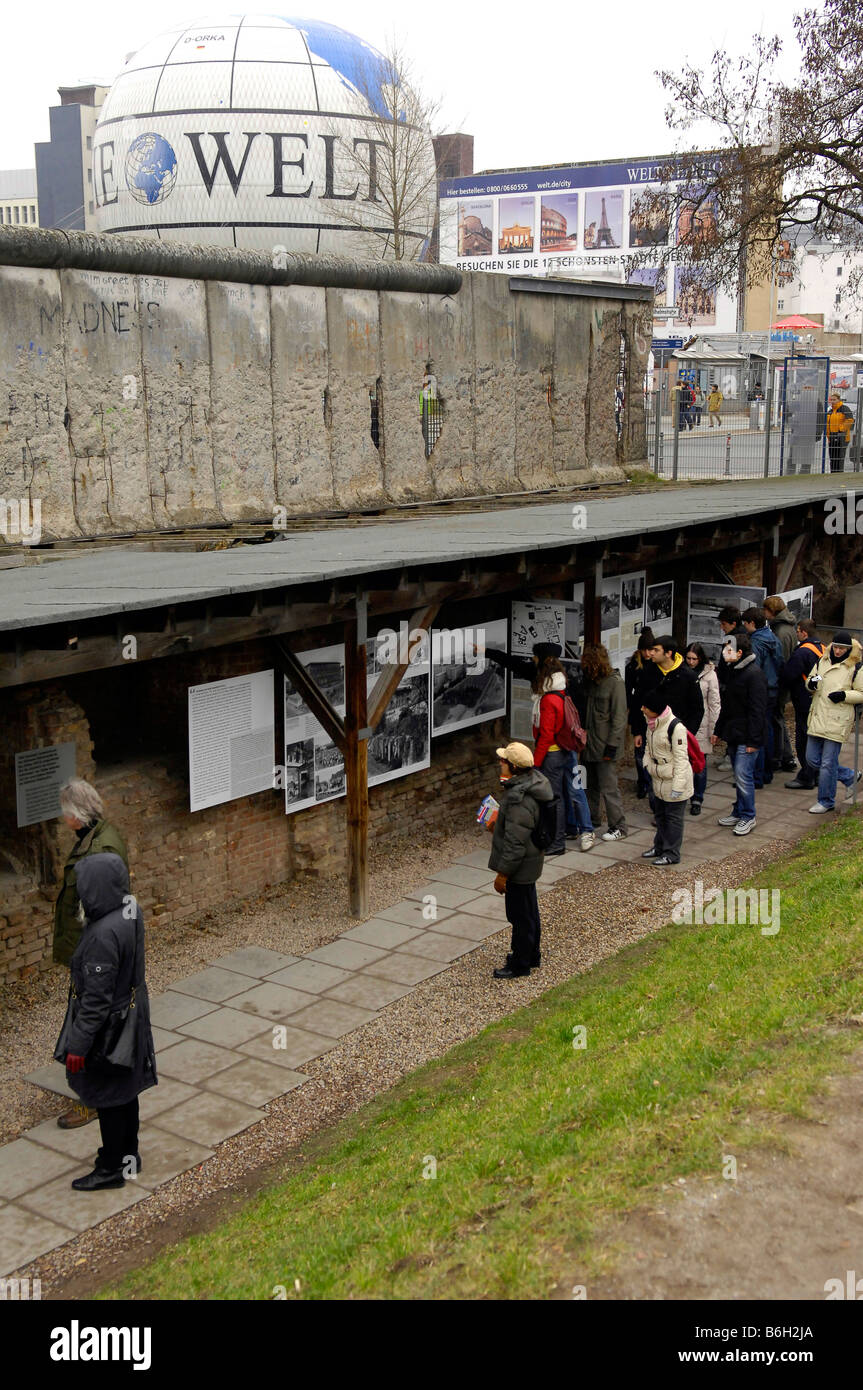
(235,1036)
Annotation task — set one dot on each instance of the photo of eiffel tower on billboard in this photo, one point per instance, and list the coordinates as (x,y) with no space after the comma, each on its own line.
(603,221)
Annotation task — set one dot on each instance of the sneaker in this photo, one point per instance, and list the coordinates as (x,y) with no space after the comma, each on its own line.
(649,853)
(614,835)
(817,809)
(849,786)
(743,827)
(728,820)
(695,808)
(797,785)
(587,841)
(724,766)
(788,767)
(661,862)
(549,853)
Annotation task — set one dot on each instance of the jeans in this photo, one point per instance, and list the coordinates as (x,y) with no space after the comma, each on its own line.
(744,780)
(554,767)
(119,1127)
(522,911)
(822,755)
(699,785)
(575,799)
(669,828)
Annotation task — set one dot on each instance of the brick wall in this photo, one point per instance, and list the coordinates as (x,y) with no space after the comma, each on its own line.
(747,567)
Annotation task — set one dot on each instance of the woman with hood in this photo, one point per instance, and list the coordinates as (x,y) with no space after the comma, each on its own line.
(705,673)
(106,1040)
(837,687)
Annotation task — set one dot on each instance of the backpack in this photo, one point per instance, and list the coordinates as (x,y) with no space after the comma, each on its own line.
(545,830)
(697,760)
(571,734)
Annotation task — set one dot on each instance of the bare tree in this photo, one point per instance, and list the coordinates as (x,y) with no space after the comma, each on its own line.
(393,205)
(787,156)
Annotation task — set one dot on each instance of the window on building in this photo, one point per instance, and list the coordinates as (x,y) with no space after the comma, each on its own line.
(90,206)
(780,303)
(17,214)
(838,299)
(33,213)
(24,213)
(838,270)
(89,142)
(89,175)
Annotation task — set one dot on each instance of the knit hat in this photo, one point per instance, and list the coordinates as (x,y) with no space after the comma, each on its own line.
(517,754)
(842,638)
(543,649)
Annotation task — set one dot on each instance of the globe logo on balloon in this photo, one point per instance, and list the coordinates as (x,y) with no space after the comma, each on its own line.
(151,169)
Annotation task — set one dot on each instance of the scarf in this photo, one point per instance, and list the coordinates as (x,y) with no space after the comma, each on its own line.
(556,682)
(652,723)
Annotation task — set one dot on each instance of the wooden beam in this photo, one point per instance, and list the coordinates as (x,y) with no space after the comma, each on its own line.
(314,697)
(387,682)
(356,751)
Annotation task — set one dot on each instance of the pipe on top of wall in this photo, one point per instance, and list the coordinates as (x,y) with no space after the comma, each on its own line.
(46,248)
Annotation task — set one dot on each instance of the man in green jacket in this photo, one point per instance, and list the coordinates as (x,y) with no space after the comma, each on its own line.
(515,858)
(82,810)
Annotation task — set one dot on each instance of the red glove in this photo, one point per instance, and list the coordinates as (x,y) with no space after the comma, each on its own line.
(74,1063)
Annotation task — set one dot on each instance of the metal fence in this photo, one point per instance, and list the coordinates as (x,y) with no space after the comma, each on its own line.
(744,439)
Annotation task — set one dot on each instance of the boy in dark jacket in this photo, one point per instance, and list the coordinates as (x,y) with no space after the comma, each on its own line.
(515,858)
(798,668)
(742,724)
(676,685)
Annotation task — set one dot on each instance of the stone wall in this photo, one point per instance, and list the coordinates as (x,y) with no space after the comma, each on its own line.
(132,403)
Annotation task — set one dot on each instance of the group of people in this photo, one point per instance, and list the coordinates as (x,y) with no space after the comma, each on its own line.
(691,402)
(678,706)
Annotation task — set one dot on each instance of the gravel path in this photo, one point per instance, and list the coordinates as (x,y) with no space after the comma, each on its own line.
(585,919)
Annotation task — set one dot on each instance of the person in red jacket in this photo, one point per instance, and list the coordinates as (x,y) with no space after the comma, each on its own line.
(549,688)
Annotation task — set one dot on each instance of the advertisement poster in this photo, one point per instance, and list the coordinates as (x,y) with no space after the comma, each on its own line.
(475,228)
(603,220)
(231,739)
(696,220)
(558,222)
(694,297)
(467,691)
(517,216)
(314,767)
(658,608)
(648,220)
(704,606)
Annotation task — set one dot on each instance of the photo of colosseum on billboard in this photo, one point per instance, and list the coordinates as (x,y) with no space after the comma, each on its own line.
(517,217)
(558,222)
(474,228)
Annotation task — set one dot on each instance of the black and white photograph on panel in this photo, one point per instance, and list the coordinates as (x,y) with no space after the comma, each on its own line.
(574,625)
(314,768)
(400,744)
(706,602)
(659,607)
(799,601)
(300,771)
(467,689)
(329,772)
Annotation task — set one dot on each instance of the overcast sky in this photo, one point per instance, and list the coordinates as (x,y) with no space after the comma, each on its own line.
(535,84)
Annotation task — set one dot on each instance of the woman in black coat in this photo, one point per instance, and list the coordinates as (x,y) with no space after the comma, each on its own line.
(107,978)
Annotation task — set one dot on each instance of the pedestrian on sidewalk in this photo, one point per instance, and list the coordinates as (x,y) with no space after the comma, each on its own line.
(768,653)
(742,724)
(839,425)
(666,758)
(714,405)
(836,684)
(106,1040)
(605,725)
(82,809)
(676,684)
(549,688)
(783,625)
(639,675)
(515,857)
(699,404)
(798,669)
(731,627)
(705,674)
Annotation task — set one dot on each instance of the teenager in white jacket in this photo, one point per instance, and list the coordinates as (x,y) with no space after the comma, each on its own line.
(705,671)
(667,760)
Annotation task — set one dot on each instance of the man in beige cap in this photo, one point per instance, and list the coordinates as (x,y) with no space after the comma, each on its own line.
(516,857)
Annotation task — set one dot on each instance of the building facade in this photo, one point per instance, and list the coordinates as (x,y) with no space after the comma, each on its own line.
(19,204)
(64,163)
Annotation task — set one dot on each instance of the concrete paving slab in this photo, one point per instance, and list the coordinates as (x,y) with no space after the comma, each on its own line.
(386,935)
(167,1094)
(551,872)
(404,969)
(332,1018)
(465,875)
(409,914)
(367,992)
(193,1061)
(591,864)
(75,1144)
(25,1236)
(227,1027)
(488,905)
(169,1010)
(299,1046)
(311,976)
(51,1078)
(448,894)
(256,961)
(438,946)
(468,926)
(349,955)
(213,984)
(163,1037)
(271,1001)
(24,1166)
(208,1119)
(478,859)
(165,1155)
(80,1211)
(255,1082)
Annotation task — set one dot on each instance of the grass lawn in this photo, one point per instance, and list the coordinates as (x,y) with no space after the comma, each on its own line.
(698,1039)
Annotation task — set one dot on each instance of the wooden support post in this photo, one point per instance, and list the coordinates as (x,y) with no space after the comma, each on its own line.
(357,770)
(592,606)
(771,568)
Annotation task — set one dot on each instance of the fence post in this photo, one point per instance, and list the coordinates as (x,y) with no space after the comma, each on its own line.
(857,436)
(728,456)
(675,406)
(768,417)
(657,433)
(856,749)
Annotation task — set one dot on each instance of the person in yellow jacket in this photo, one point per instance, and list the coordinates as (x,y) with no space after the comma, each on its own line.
(839,423)
(714,405)
(837,688)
